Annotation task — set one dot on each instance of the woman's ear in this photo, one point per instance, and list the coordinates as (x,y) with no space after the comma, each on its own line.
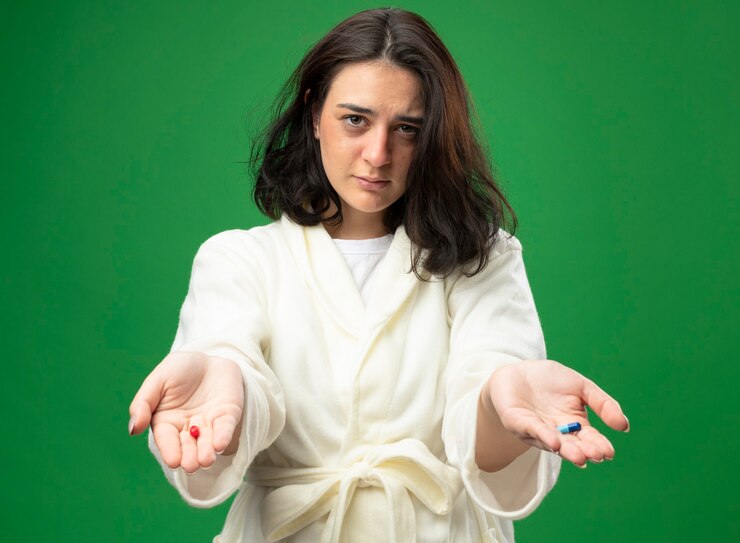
(314,114)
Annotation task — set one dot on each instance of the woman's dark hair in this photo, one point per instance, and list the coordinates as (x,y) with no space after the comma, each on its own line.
(452,208)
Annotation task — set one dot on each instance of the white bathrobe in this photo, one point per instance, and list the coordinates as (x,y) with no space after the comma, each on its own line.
(386,450)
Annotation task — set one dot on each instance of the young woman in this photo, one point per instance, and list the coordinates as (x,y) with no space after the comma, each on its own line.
(370,366)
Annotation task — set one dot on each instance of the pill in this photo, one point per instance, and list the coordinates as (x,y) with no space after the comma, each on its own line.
(569,428)
(194,431)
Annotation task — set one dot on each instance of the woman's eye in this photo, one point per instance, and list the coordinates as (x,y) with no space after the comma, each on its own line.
(354,120)
(408,129)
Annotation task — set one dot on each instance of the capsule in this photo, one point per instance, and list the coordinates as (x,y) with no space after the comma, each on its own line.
(569,428)
(194,431)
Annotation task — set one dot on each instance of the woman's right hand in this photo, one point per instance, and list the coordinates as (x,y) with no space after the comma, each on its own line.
(191,389)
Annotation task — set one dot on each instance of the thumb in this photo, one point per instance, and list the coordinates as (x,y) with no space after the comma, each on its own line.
(606,407)
(145,402)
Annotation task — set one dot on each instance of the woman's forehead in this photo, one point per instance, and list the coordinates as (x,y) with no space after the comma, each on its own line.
(376,86)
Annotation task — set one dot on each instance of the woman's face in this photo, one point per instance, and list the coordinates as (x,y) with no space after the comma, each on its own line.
(367,130)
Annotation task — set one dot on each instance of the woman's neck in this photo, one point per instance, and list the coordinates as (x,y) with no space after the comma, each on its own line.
(357,225)
(344,231)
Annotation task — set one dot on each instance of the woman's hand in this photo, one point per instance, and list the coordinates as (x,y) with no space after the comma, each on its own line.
(190,389)
(533,397)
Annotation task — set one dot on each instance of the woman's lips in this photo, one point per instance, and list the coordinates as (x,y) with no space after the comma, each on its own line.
(370,184)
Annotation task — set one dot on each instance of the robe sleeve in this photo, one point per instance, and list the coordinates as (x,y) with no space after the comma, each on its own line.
(493,322)
(223,315)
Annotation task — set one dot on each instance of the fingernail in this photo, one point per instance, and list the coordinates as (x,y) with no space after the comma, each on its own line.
(131,423)
(628,424)
(584,466)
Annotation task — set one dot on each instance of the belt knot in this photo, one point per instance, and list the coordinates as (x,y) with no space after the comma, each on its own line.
(303,495)
(362,472)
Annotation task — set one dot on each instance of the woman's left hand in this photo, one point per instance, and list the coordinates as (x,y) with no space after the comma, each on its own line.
(532,398)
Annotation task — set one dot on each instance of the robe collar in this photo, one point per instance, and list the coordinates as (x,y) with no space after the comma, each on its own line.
(330,280)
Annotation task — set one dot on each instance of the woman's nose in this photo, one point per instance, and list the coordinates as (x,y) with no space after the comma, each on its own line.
(377,148)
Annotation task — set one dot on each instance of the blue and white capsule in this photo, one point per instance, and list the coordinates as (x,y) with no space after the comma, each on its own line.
(569,428)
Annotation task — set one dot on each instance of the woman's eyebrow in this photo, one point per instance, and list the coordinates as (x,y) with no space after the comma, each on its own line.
(367,111)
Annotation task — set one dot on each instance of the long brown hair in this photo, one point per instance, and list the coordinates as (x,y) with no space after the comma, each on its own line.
(452,208)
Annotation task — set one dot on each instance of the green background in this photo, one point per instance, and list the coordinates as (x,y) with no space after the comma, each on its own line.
(614,129)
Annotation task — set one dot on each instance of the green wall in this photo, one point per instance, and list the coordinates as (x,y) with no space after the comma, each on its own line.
(614,129)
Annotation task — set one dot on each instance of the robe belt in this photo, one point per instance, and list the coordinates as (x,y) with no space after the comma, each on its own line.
(304,495)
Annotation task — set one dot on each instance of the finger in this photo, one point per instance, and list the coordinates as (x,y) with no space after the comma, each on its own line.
(589,433)
(204,446)
(537,444)
(189,461)
(223,432)
(145,402)
(570,451)
(590,450)
(167,440)
(590,445)
(538,431)
(606,407)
